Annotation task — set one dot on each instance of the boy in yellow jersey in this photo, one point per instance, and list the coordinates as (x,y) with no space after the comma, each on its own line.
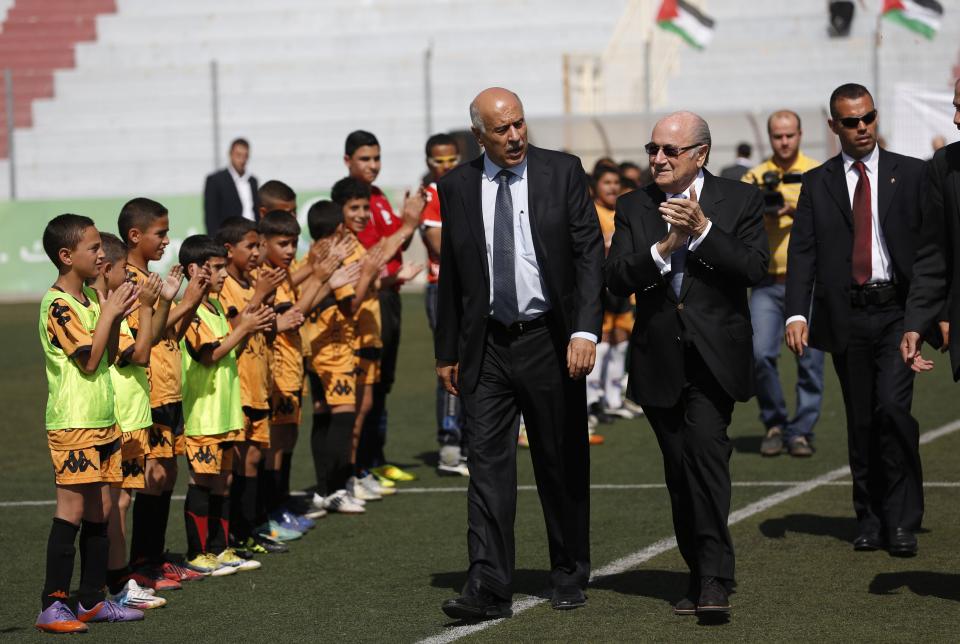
(143,225)
(353,197)
(280,233)
(604,383)
(212,409)
(132,405)
(79,336)
(246,286)
(332,369)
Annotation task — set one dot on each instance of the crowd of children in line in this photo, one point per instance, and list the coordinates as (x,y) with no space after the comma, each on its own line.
(136,380)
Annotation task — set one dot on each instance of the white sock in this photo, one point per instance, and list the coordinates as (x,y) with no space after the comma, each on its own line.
(616,363)
(595,377)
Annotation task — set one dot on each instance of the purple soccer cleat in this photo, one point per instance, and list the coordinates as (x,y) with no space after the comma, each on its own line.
(109,611)
(58,618)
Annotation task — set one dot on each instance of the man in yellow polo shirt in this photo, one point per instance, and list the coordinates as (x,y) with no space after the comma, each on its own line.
(779,179)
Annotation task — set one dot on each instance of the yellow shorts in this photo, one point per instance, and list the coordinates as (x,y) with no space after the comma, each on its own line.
(133,461)
(623,321)
(256,426)
(90,464)
(368,371)
(210,454)
(285,408)
(165,438)
(338,388)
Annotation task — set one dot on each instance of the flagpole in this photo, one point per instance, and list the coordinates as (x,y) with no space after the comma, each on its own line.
(876,57)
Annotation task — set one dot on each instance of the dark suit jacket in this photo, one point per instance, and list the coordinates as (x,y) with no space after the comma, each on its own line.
(936,273)
(821,242)
(568,245)
(712,312)
(221,201)
(735,171)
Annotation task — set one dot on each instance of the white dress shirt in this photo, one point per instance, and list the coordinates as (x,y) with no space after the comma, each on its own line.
(532,300)
(664,265)
(879,255)
(245,191)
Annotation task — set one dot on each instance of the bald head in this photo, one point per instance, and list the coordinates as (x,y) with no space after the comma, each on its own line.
(499,125)
(689,135)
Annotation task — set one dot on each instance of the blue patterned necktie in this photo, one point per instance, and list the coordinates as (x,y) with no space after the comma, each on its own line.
(504,263)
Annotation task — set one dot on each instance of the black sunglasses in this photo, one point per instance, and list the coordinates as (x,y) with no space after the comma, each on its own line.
(671,151)
(851,122)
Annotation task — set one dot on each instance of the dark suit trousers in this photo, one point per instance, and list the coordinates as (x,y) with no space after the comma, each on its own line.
(882,435)
(696,463)
(526,374)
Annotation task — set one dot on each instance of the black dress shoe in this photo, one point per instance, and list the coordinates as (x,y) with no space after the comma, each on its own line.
(688,605)
(713,597)
(567,597)
(867,542)
(902,543)
(480,606)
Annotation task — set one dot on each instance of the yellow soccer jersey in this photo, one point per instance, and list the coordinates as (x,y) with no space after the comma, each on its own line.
(254,361)
(164,370)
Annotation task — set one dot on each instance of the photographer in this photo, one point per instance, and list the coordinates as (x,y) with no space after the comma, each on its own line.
(779,179)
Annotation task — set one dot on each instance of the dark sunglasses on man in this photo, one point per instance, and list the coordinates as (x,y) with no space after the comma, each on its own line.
(671,151)
(851,122)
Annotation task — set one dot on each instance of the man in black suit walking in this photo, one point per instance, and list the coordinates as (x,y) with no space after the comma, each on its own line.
(689,245)
(231,192)
(936,272)
(517,323)
(849,264)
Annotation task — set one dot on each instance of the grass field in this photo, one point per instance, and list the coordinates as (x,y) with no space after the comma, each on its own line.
(382,576)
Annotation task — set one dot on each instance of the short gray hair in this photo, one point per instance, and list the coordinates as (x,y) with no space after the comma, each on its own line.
(475,119)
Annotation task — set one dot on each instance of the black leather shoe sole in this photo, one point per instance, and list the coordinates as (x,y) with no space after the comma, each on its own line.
(902,551)
(866,544)
(568,604)
(713,609)
(457,610)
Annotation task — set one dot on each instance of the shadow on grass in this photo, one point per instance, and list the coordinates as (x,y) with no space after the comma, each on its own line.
(430,459)
(665,585)
(842,528)
(747,444)
(919,582)
(525,582)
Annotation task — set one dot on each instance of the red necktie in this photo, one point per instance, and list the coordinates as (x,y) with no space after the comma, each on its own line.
(862,227)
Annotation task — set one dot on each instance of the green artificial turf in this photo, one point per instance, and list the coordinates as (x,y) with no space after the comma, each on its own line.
(382,576)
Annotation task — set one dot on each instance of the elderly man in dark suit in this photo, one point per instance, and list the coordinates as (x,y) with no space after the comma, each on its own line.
(517,324)
(231,192)
(689,246)
(935,289)
(849,265)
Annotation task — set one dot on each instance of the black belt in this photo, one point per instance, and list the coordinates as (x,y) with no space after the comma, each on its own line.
(519,328)
(873,294)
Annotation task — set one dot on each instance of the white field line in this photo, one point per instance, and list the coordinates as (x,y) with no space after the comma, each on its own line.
(636,558)
(532,488)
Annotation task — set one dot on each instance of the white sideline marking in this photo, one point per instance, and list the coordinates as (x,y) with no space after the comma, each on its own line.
(533,488)
(635,559)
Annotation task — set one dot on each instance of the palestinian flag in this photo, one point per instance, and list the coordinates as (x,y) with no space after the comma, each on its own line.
(685,20)
(921,16)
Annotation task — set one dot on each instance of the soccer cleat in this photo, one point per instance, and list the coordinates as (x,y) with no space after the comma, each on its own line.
(108,611)
(357,490)
(268,544)
(201,565)
(393,473)
(286,521)
(176,572)
(150,577)
(220,569)
(341,502)
(58,618)
(632,407)
(133,596)
(275,531)
(595,439)
(373,484)
(254,547)
(620,412)
(299,521)
(450,461)
(229,557)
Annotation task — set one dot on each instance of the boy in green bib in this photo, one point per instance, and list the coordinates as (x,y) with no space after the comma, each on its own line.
(212,409)
(79,336)
(132,404)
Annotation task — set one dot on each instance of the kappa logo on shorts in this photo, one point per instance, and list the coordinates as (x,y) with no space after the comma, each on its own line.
(204,456)
(285,405)
(342,388)
(131,469)
(76,463)
(158,438)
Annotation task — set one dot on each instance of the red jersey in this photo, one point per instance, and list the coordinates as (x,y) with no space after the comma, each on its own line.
(383,223)
(430,218)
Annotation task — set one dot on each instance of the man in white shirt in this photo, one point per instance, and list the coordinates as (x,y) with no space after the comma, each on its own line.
(849,265)
(232,191)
